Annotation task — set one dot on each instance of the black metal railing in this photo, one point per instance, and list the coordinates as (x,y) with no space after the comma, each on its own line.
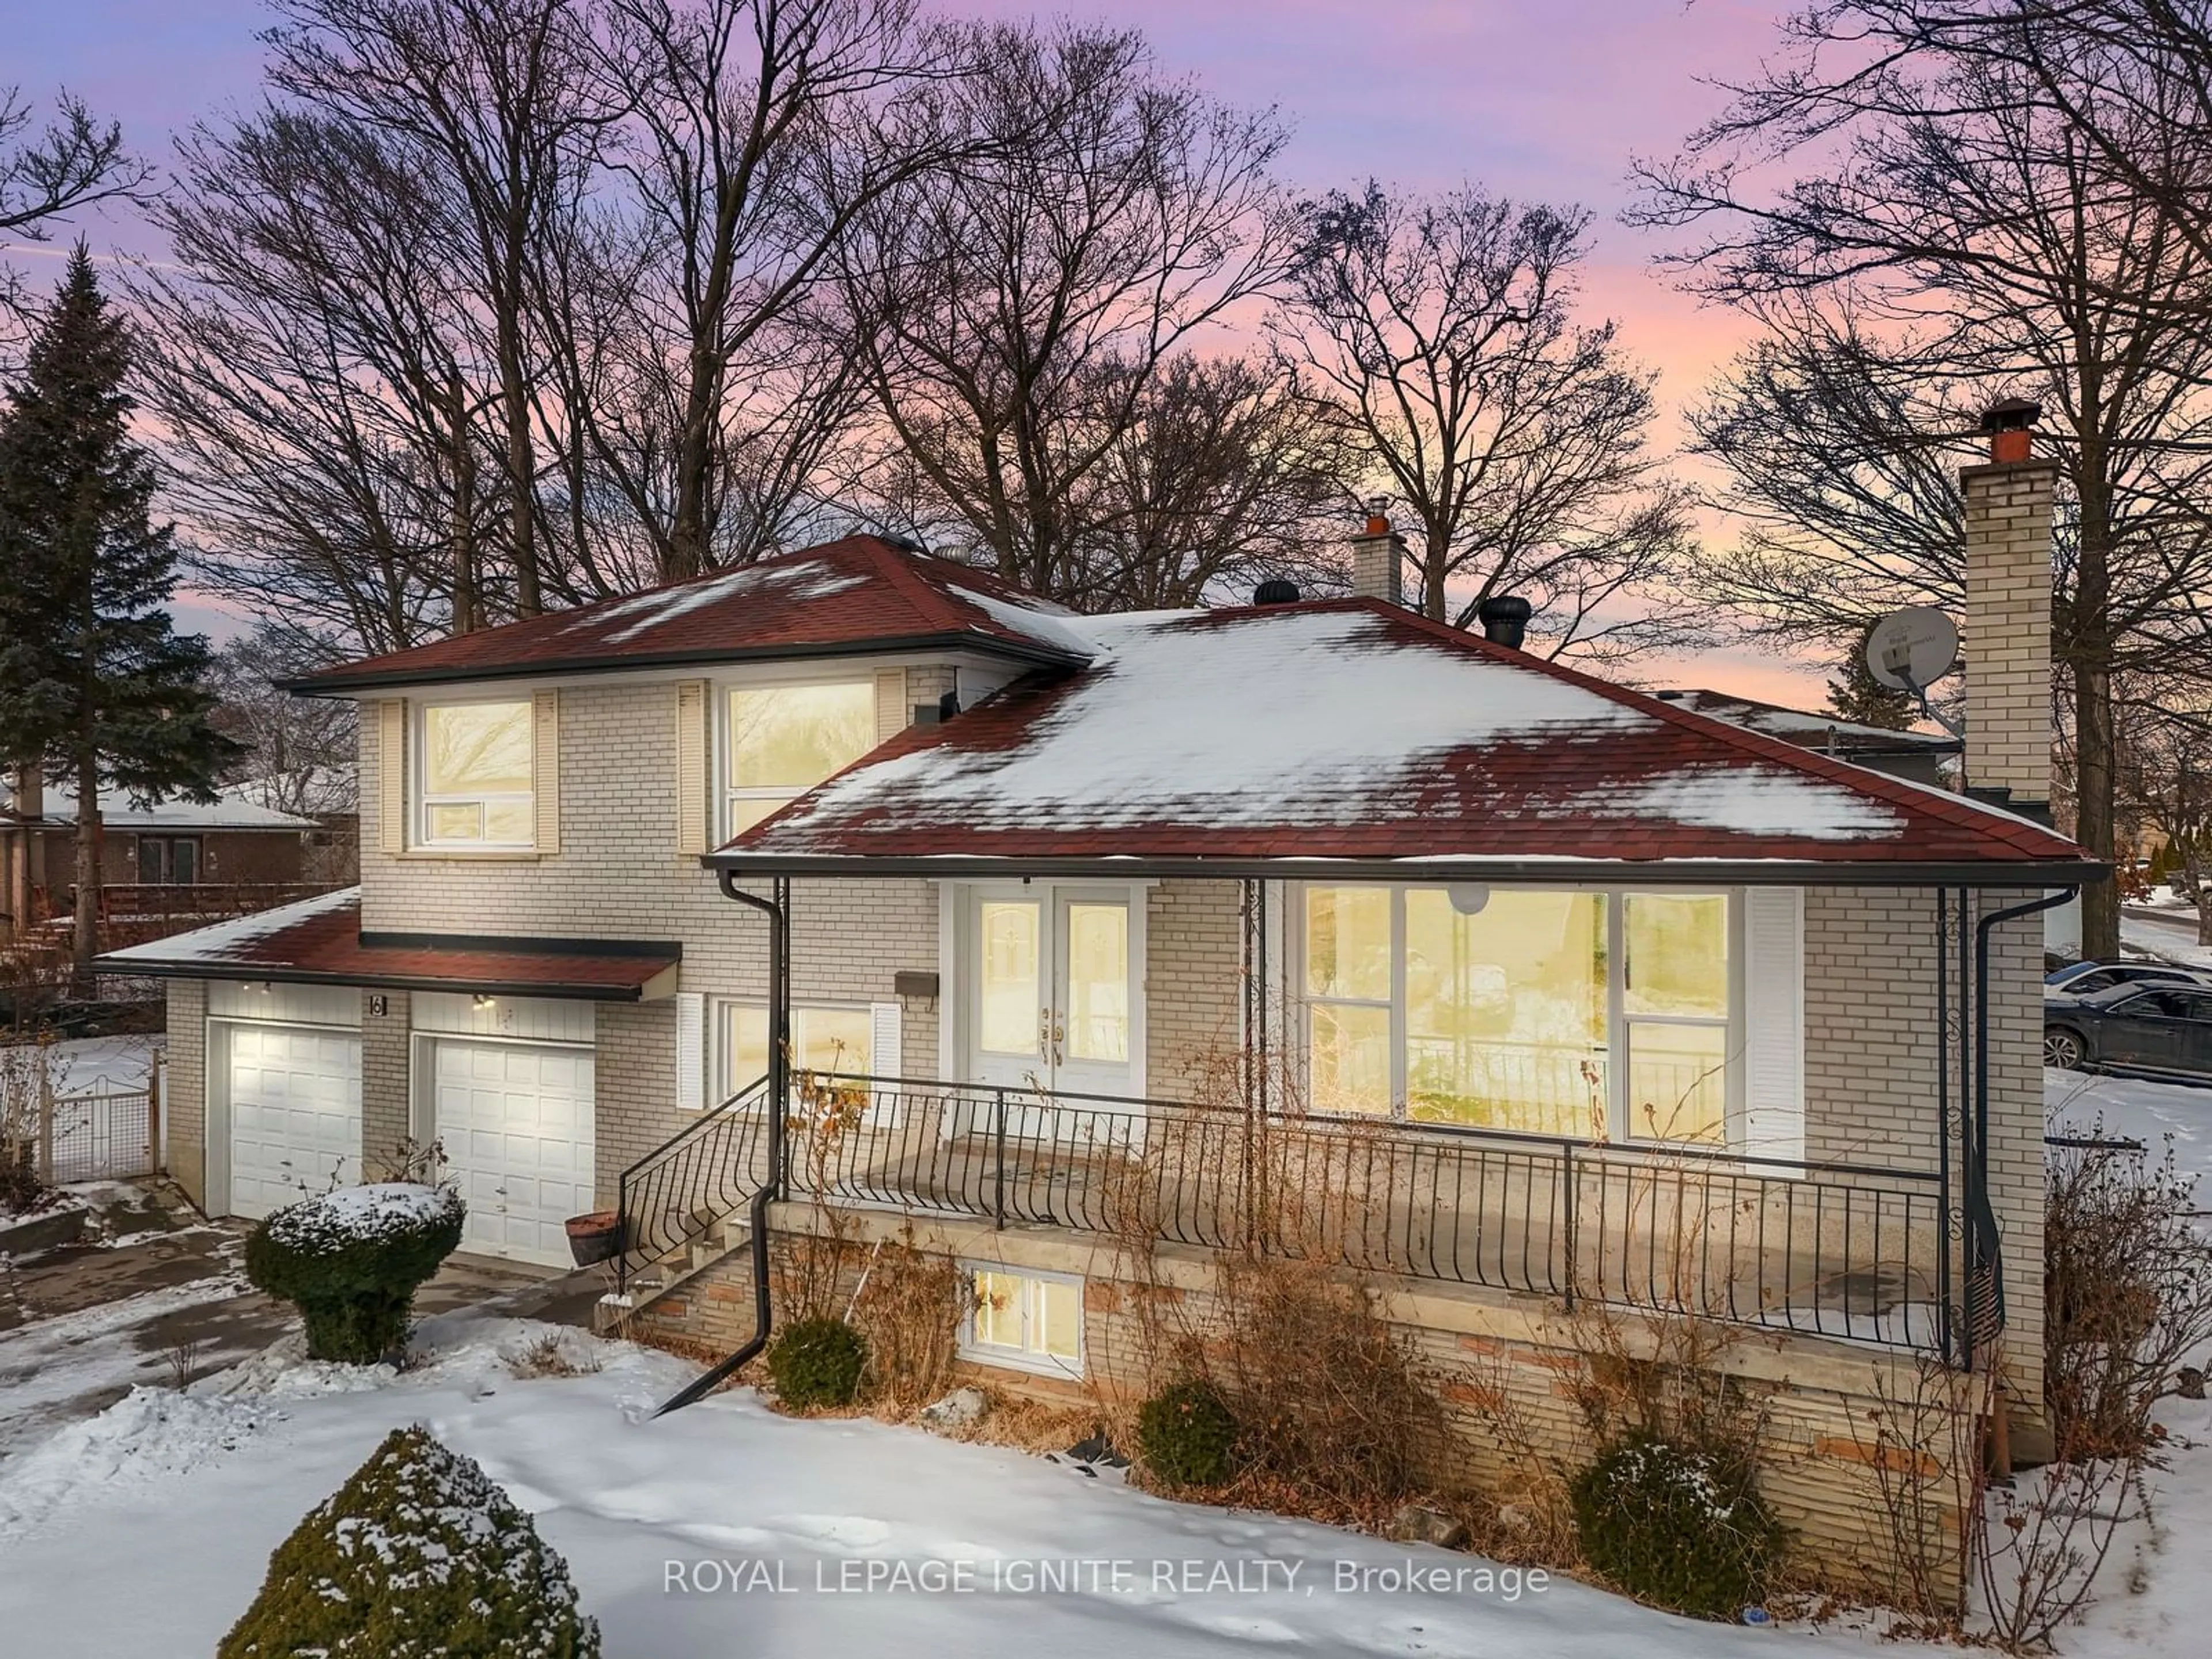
(1827,1248)
(673,1196)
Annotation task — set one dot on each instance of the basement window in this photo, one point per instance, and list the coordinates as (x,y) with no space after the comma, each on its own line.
(1026,1321)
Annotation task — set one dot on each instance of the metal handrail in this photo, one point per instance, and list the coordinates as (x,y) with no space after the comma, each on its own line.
(699,1176)
(1819,1247)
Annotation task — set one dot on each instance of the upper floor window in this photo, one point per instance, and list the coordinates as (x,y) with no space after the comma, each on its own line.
(783,739)
(1570,1012)
(476,776)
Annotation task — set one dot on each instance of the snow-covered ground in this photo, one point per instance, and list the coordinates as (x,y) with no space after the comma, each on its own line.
(728,1529)
(2129,1108)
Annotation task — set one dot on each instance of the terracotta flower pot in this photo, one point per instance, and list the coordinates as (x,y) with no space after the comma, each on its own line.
(595,1237)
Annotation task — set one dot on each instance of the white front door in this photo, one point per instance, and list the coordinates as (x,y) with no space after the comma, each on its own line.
(515,1121)
(1052,986)
(294,1099)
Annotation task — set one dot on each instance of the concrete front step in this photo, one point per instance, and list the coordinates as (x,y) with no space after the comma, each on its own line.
(649,1283)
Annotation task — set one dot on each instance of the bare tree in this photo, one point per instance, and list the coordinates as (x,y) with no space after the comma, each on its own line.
(1010,316)
(499,104)
(1951,242)
(309,363)
(1227,474)
(759,130)
(297,753)
(2165,777)
(76,161)
(1517,438)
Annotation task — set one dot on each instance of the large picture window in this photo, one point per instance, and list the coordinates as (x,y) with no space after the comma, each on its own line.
(1568,1012)
(476,776)
(781,740)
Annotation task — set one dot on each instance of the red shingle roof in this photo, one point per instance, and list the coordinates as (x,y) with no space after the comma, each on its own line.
(1354,731)
(318,940)
(858,594)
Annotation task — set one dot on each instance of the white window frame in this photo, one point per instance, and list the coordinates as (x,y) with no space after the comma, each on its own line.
(1620,1126)
(1029,1357)
(419,784)
(727,794)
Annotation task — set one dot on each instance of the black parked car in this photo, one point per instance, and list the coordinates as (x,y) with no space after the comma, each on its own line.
(2157,1027)
(2080,978)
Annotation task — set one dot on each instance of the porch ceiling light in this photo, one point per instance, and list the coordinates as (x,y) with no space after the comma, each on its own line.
(484,999)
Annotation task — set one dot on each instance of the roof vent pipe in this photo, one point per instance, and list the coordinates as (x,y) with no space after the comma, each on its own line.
(1504,618)
(1276,591)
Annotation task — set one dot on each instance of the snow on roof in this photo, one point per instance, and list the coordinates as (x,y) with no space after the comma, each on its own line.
(230,810)
(1757,799)
(858,594)
(790,581)
(232,941)
(1349,729)
(1183,717)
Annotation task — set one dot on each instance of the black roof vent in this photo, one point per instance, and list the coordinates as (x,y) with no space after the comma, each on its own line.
(1504,618)
(1276,591)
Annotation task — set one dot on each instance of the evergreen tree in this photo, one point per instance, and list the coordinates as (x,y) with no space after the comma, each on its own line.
(94,681)
(1855,695)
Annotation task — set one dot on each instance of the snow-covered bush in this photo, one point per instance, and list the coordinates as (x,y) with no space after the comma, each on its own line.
(350,1261)
(420,1553)
(817,1363)
(1187,1435)
(1676,1527)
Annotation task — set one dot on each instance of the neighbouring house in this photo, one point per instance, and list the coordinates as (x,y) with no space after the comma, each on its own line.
(1555,996)
(1918,756)
(169,864)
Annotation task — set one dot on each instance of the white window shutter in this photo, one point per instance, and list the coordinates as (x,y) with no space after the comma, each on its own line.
(1774,1023)
(893,712)
(693,809)
(885,1058)
(545,768)
(391,775)
(691,1051)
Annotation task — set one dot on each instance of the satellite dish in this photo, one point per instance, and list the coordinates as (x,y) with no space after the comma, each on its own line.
(1909,650)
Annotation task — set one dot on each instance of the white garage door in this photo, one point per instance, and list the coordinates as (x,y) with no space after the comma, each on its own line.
(516,1120)
(295,1094)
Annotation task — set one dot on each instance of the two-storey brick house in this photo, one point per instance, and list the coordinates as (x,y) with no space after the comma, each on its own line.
(1546,947)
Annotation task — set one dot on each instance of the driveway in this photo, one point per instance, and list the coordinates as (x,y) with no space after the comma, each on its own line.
(162,1299)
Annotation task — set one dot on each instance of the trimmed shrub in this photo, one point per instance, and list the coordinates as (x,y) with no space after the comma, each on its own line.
(1677,1528)
(1187,1434)
(817,1363)
(350,1261)
(419,1554)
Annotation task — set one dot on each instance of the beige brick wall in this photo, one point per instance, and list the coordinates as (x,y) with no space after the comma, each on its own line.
(386,1100)
(1193,981)
(185,1085)
(2007,643)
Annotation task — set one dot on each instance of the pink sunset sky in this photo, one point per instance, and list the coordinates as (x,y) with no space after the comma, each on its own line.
(1537,98)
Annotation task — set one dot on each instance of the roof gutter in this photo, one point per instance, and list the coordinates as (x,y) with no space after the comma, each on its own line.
(338,682)
(251,973)
(1673,873)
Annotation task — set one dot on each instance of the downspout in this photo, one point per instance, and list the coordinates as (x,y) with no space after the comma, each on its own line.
(778,912)
(1981,1216)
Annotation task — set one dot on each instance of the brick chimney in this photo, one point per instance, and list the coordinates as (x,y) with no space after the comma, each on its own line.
(1378,561)
(2008,511)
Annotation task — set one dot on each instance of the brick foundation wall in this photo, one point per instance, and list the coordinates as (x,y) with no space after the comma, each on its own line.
(1502,1369)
